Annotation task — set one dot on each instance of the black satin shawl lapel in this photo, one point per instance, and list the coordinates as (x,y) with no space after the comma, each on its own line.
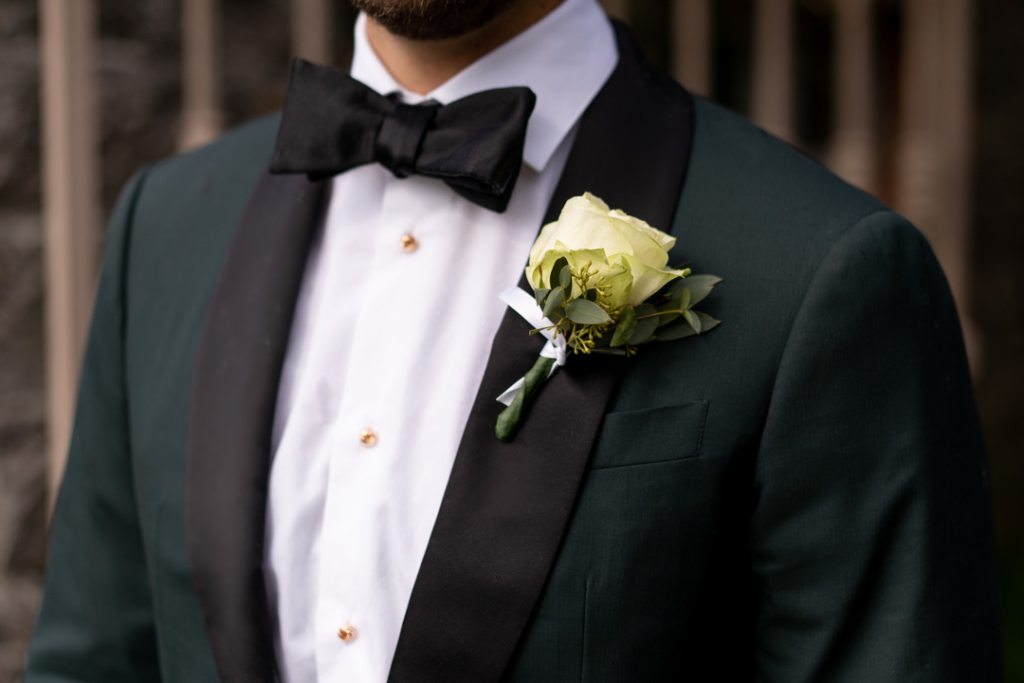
(234,394)
(506,506)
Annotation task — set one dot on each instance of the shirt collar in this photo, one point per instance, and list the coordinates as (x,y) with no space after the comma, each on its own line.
(565,58)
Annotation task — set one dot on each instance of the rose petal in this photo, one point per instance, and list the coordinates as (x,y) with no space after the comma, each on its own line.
(644,247)
(665,240)
(647,280)
(582,225)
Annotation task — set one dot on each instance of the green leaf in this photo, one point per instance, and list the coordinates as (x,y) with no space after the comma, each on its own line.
(624,328)
(693,320)
(540,295)
(646,324)
(643,310)
(565,278)
(554,301)
(585,312)
(669,313)
(698,295)
(673,287)
(512,416)
(667,293)
(685,300)
(693,281)
(707,323)
(680,329)
(555,271)
(673,309)
(700,286)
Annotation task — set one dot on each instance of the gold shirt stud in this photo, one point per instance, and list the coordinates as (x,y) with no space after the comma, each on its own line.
(409,243)
(368,438)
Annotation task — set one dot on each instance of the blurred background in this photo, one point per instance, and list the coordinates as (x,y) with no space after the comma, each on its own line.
(920,102)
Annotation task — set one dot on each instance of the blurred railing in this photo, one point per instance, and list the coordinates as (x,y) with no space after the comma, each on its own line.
(930,153)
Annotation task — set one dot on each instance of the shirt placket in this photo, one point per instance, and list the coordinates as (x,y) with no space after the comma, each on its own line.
(366,439)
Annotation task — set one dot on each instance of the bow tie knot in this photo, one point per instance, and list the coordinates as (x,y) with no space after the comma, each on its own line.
(332,123)
(401,135)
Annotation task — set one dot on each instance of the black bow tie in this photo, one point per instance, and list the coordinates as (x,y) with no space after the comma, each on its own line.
(332,123)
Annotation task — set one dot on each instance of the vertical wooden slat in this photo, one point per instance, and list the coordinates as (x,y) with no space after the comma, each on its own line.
(919,101)
(933,155)
(70,204)
(955,165)
(691,44)
(312,34)
(772,101)
(853,155)
(202,117)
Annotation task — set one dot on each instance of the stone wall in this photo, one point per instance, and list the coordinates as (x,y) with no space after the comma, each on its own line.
(22,400)
(139,77)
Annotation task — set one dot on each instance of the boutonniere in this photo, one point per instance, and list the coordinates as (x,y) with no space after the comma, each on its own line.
(601,284)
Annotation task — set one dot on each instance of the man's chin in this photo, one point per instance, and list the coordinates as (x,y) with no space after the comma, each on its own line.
(432,19)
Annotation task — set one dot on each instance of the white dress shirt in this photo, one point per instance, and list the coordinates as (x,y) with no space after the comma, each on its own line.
(393,328)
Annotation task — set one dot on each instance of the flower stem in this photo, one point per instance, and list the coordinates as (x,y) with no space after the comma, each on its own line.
(510,418)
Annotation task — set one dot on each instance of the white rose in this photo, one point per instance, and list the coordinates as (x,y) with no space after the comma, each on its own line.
(628,255)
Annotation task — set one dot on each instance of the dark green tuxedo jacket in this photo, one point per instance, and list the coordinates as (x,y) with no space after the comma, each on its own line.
(800,495)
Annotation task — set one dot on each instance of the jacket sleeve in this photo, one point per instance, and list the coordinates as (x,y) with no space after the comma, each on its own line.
(871,537)
(96,622)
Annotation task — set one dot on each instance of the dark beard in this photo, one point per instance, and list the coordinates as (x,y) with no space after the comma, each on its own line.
(431,19)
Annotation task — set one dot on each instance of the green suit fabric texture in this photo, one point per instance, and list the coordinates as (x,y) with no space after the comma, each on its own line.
(799,496)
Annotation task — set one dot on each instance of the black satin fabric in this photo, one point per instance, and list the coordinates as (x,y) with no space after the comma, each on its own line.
(333,123)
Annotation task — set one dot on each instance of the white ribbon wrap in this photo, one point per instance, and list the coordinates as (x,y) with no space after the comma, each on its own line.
(526,305)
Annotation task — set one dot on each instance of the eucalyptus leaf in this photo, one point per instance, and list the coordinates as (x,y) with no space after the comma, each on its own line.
(698,294)
(555,299)
(646,323)
(669,313)
(680,329)
(700,286)
(565,278)
(555,271)
(693,320)
(670,291)
(645,310)
(697,281)
(583,312)
(685,300)
(706,322)
(540,295)
(624,328)
(673,309)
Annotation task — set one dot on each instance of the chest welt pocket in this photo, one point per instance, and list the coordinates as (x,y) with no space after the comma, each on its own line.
(653,435)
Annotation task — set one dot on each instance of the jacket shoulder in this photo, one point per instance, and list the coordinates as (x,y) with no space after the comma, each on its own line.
(194,201)
(185,214)
(735,163)
(770,221)
(757,207)
(210,182)
(238,151)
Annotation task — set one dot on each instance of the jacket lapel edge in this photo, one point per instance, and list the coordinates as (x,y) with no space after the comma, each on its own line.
(232,402)
(506,506)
